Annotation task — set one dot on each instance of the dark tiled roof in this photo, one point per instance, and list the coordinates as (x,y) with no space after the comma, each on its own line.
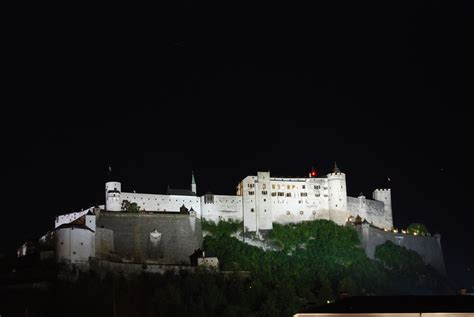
(70,225)
(397,304)
(180,192)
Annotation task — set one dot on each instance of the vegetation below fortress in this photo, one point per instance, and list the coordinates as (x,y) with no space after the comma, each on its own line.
(318,260)
(314,262)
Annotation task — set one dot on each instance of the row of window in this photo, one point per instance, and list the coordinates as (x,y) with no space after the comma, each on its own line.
(141,198)
(281,194)
(288,213)
(287,186)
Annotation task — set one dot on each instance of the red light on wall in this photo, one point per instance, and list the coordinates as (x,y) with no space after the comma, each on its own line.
(313,173)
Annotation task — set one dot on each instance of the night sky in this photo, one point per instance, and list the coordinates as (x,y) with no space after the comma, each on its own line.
(158,90)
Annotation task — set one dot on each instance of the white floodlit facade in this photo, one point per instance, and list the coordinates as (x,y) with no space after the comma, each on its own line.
(262,200)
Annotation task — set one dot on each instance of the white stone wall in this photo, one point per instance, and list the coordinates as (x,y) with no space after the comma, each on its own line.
(221,207)
(367,209)
(248,189)
(211,263)
(263,201)
(163,203)
(295,200)
(74,244)
(89,222)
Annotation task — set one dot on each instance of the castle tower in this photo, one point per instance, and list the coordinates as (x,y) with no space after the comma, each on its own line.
(112,196)
(337,194)
(263,201)
(193,184)
(385,196)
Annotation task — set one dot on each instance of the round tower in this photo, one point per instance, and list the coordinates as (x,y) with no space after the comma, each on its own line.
(112,196)
(337,194)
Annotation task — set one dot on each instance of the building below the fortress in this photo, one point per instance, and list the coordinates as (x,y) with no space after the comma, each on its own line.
(167,228)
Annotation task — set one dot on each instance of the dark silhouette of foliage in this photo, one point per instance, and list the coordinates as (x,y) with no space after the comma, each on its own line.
(130,207)
(417,228)
(315,262)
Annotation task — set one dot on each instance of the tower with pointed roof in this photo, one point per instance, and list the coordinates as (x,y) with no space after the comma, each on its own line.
(193,184)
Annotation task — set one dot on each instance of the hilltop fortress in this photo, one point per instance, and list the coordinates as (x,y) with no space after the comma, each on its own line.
(262,200)
(165,229)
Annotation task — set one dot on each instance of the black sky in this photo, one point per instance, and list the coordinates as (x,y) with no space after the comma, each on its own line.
(227,89)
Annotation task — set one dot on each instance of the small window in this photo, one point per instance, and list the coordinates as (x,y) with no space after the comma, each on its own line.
(273,186)
(288,213)
(264,192)
(301,212)
(304,194)
(288,194)
(73,252)
(317,195)
(82,243)
(288,187)
(252,210)
(264,199)
(251,193)
(314,212)
(273,194)
(281,194)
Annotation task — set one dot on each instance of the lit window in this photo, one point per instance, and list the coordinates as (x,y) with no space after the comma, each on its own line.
(288,187)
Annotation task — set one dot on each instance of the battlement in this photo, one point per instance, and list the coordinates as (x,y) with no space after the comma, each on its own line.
(337,174)
(382,190)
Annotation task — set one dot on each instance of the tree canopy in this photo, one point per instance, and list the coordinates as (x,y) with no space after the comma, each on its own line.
(417,228)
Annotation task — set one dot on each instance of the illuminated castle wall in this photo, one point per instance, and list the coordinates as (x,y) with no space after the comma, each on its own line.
(262,200)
